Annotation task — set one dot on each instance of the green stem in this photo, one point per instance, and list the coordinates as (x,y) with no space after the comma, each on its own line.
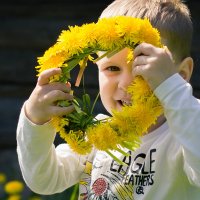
(83,84)
(92,109)
(108,54)
(114,52)
(129,145)
(100,57)
(115,158)
(122,152)
(74,193)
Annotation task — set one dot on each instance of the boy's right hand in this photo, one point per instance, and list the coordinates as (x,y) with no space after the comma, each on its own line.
(42,103)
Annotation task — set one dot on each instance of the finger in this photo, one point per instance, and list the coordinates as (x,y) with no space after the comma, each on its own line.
(45,75)
(57,95)
(140,60)
(144,49)
(167,51)
(59,86)
(68,84)
(138,70)
(60,111)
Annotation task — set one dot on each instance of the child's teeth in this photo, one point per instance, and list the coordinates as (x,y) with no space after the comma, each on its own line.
(127,103)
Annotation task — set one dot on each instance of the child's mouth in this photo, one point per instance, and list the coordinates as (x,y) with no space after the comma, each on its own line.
(125,102)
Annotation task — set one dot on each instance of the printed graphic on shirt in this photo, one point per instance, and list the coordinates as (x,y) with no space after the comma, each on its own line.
(84,183)
(115,181)
(141,172)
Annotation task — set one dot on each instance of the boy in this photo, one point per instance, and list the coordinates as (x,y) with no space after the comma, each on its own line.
(167,164)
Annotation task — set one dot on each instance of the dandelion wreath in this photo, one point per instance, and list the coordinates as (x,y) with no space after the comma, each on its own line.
(75,47)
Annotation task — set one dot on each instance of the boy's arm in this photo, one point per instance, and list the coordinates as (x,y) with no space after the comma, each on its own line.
(181,108)
(182,111)
(46,170)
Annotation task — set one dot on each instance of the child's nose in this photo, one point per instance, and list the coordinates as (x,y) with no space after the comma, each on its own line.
(125,81)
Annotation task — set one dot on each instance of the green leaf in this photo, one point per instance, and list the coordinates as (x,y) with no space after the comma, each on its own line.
(64,103)
(77,107)
(87,99)
(86,103)
(94,103)
(115,158)
(74,116)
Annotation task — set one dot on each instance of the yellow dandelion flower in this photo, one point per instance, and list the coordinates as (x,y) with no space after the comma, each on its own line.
(108,38)
(14,187)
(148,34)
(75,46)
(122,121)
(63,134)
(14,197)
(77,142)
(130,55)
(2,178)
(59,122)
(133,121)
(155,105)
(73,42)
(55,60)
(142,117)
(139,89)
(103,137)
(87,35)
(129,29)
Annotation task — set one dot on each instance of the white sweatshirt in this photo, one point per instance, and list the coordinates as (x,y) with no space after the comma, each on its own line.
(165,167)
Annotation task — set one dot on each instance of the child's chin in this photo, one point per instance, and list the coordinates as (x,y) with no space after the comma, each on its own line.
(119,107)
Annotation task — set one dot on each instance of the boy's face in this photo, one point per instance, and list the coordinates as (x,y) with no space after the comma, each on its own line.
(115,75)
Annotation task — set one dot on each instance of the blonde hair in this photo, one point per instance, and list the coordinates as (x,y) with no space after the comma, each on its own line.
(171,17)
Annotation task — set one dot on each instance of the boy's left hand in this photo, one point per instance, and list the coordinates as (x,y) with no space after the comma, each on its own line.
(154,64)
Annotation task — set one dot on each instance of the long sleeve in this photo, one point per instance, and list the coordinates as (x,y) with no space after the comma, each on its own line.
(182,111)
(46,169)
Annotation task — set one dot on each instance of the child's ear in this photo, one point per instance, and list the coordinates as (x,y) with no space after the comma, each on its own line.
(186,68)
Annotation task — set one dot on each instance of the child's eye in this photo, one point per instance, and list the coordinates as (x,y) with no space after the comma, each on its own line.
(113,68)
